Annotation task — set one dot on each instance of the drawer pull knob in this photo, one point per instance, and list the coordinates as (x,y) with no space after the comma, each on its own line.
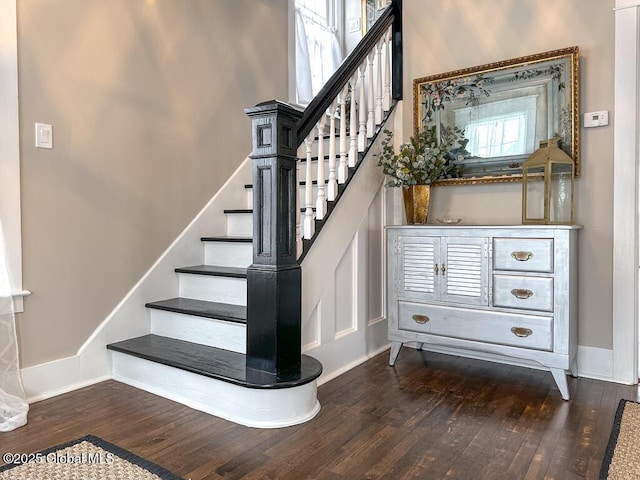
(521,331)
(435,269)
(420,318)
(522,256)
(521,293)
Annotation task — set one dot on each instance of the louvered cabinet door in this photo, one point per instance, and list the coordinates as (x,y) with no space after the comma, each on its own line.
(464,271)
(416,277)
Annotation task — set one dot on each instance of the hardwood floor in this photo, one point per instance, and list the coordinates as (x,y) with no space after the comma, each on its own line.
(432,416)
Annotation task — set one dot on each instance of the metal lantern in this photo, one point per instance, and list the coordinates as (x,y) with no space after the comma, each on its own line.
(547,185)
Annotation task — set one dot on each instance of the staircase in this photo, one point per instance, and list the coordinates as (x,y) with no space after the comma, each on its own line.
(195,351)
(197,340)
(199,350)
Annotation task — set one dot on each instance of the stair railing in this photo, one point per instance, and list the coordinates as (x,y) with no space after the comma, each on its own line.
(356,97)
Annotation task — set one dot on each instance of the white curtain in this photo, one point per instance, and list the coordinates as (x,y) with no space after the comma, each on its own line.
(318,55)
(13,406)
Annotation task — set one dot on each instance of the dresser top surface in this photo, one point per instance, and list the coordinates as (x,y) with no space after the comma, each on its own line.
(495,227)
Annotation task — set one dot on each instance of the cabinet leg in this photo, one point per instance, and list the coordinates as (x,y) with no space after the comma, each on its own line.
(395,350)
(560,376)
(419,345)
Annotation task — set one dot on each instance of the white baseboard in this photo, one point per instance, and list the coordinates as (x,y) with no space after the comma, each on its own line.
(336,373)
(596,363)
(65,375)
(55,378)
(593,362)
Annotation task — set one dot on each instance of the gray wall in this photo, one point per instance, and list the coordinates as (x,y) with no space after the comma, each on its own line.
(446,35)
(146,99)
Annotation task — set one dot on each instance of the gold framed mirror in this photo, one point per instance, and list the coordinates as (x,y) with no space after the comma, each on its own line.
(505,109)
(371,10)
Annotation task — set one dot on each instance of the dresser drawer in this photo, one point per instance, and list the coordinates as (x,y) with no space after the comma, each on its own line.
(527,331)
(516,291)
(523,254)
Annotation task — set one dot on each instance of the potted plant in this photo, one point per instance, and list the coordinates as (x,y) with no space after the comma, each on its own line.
(426,158)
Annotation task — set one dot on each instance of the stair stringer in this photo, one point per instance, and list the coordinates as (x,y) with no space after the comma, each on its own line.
(339,328)
(130,318)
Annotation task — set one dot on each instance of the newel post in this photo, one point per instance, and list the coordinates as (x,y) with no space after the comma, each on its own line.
(274,279)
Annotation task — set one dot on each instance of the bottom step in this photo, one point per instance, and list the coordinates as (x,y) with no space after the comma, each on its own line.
(215,381)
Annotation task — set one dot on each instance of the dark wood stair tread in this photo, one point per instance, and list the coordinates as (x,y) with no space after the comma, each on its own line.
(303,183)
(214,271)
(202,308)
(316,157)
(238,210)
(213,362)
(250,210)
(227,239)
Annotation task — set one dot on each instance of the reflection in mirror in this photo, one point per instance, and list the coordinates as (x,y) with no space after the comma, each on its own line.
(505,110)
(371,10)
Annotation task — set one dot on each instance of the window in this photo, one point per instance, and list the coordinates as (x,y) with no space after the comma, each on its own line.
(10,152)
(493,133)
(5,286)
(318,9)
(319,50)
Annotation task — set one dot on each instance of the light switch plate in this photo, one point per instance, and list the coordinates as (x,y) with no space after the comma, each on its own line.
(44,135)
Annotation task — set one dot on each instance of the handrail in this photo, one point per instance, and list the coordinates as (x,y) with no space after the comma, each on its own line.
(331,89)
(274,279)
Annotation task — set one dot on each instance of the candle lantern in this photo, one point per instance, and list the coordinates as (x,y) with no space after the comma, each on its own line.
(547,185)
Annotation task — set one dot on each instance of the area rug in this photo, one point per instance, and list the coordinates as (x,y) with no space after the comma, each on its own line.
(87,458)
(622,457)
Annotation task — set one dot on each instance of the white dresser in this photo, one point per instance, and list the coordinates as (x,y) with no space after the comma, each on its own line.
(502,293)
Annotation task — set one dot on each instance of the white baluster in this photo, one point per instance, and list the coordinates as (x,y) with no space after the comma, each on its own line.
(342,166)
(321,201)
(332,186)
(371,120)
(378,112)
(353,125)
(308,226)
(362,110)
(386,99)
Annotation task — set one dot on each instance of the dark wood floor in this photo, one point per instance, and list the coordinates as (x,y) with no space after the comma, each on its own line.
(432,416)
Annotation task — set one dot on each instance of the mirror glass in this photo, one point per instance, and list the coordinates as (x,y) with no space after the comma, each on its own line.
(505,109)
(371,10)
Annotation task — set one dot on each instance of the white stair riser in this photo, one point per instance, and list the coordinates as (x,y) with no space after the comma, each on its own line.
(239,224)
(205,331)
(301,191)
(228,254)
(213,289)
(302,212)
(261,408)
(302,149)
(245,221)
(302,172)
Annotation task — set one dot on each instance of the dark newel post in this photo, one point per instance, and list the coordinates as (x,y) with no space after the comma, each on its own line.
(396,51)
(274,279)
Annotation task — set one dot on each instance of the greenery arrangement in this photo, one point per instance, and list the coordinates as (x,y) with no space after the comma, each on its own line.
(424,159)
